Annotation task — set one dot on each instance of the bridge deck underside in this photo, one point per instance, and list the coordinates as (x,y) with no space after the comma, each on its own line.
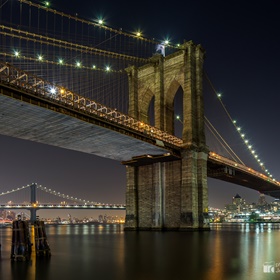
(31,122)
(35,122)
(241,178)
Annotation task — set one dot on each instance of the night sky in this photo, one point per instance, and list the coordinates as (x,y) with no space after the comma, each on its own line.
(242,42)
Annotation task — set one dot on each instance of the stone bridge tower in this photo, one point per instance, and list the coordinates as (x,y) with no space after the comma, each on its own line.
(170,195)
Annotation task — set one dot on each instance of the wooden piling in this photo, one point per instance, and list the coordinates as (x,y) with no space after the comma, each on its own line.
(21,245)
(41,243)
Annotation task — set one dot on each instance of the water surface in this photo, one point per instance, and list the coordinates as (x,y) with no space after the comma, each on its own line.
(81,252)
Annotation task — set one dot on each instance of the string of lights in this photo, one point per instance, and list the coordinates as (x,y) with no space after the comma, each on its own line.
(60,62)
(239,131)
(63,44)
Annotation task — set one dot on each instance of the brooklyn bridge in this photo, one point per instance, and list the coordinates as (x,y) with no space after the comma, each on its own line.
(83,86)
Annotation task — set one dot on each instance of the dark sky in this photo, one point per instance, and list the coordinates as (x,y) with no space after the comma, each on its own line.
(241,40)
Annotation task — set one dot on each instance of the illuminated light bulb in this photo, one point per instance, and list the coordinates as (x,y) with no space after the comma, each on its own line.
(52,90)
(178,117)
(238,128)
(242,135)
(107,68)
(138,34)
(100,21)
(246,141)
(253,151)
(78,64)
(93,66)
(47,3)
(17,53)
(234,121)
(250,146)
(40,57)
(219,95)
(60,61)
(166,42)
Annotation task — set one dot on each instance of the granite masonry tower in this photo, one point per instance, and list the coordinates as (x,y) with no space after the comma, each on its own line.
(170,195)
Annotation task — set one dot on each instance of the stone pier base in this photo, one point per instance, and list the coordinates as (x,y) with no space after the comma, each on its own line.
(168,195)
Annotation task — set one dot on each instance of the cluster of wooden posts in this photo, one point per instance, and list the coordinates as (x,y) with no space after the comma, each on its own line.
(21,243)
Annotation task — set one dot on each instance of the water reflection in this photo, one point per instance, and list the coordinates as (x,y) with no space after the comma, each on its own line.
(231,251)
(86,229)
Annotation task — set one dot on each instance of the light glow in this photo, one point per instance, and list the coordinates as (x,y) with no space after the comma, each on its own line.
(16,53)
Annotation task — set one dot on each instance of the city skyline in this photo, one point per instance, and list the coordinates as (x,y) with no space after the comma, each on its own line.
(80,214)
(94,213)
(242,61)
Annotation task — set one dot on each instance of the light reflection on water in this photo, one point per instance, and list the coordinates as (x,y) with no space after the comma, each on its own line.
(228,251)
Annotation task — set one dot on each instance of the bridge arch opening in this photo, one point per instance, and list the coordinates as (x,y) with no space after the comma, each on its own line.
(178,113)
(146,109)
(151,112)
(174,109)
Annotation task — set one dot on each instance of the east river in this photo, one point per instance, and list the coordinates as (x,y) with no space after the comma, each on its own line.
(107,252)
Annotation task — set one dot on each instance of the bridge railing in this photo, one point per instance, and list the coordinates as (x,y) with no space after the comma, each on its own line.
(241,167)
(20,79)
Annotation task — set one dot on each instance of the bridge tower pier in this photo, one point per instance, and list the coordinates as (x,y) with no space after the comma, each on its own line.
(170,195)
(33,202)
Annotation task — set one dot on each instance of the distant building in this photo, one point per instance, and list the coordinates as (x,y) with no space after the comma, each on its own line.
(238,205)
(231,208)
(237,200)
(100,218)
(262,200)
(262,205)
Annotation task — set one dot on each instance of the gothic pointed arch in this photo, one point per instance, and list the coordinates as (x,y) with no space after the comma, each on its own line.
(169,105)
(144,101)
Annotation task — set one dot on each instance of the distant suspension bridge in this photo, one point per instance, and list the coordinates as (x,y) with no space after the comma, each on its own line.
(69,202)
